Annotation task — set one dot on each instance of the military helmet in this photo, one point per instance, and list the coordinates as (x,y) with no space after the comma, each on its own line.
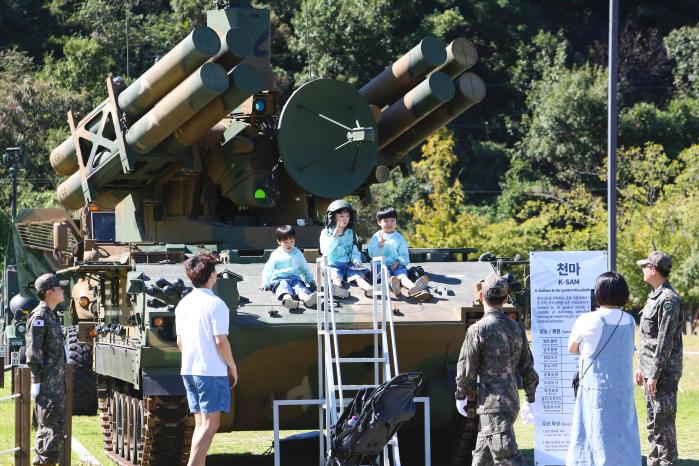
(21,306)
(337,206)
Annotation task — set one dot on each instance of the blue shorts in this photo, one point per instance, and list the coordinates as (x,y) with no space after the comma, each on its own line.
(292,286)
(401,271)
(207,394)
(346,271)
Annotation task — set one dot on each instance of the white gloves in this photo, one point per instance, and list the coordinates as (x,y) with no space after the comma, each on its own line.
(34,391)
(461,406)
(527,413)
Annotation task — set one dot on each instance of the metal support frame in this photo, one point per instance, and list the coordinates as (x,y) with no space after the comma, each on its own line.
(330,385)
(275,417)
(276,404)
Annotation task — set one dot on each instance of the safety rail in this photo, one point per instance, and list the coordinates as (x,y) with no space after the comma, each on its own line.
(21,388)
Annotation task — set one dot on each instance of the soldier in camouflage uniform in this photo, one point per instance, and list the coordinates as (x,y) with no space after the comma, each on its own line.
(494,351)
(46,358)
(660,358)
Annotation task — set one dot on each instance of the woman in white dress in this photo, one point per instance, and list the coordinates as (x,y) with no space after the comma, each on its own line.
(605,425)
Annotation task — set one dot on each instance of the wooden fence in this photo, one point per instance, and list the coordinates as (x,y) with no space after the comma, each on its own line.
(21,388)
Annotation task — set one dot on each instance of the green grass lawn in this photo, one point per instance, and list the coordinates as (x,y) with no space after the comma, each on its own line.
(248,448)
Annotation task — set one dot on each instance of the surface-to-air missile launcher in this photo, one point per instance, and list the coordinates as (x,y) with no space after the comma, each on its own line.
(195,155)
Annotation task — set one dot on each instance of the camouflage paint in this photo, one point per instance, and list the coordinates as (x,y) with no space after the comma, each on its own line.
(470,90)
(161,78)
(414,106)
(405,73)
(183,102)
(461,55)
(244,81)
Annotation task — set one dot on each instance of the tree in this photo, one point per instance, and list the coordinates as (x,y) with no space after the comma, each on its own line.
(437,219)
(683,47)
(644,173)
(669,224)
(674,127)
(352,40)
(565,126)
(31,108)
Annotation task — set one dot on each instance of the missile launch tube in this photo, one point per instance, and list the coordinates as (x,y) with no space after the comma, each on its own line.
(70,192)
(237,44)
(414,106)
(244,81)
(461,55)
(470,90)
(63,158)
(173,110)
(200,45)
(405,73)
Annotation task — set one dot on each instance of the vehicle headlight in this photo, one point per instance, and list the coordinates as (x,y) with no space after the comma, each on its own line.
(84,302)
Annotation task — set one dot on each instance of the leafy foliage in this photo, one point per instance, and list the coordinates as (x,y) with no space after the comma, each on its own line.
(522,171)
(683,46)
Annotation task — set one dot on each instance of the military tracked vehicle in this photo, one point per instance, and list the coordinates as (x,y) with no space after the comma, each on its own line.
(199,153)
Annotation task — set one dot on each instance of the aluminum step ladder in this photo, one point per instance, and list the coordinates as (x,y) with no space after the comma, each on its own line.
(384,358)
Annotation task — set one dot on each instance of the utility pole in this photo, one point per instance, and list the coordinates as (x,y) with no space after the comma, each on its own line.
(612,130)
(13,158)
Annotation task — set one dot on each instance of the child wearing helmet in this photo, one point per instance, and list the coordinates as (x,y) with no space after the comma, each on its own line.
(338,244)
(287,273)
(390,244)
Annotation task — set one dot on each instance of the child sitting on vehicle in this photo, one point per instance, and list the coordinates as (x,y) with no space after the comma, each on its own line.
(390,244)
(337,242)
(286,271)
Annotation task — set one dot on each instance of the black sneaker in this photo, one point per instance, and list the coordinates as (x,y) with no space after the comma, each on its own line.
(369,293)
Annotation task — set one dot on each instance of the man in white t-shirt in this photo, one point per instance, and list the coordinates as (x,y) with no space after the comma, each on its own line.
(208,369)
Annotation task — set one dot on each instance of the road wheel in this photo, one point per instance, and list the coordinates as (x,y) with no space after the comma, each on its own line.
(84,379)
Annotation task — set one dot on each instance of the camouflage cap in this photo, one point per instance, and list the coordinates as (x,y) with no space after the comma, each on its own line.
(48,281)
(657,259)
(494,286)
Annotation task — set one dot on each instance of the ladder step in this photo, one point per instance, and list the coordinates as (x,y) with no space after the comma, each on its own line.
(353,387)
(342,360)
(367,331)
(345,402)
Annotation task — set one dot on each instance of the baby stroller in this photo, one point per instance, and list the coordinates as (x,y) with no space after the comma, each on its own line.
(371,419)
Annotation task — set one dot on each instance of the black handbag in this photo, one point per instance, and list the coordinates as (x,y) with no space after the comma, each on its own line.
(576,379)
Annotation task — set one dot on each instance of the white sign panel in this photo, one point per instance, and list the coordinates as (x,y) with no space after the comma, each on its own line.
(561,284)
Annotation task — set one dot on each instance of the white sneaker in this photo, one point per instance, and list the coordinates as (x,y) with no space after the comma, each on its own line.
(420,285)
(312,300)
(290,303)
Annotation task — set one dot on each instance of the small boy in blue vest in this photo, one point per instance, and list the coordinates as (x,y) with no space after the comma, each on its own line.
(390,244)
(287,273)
